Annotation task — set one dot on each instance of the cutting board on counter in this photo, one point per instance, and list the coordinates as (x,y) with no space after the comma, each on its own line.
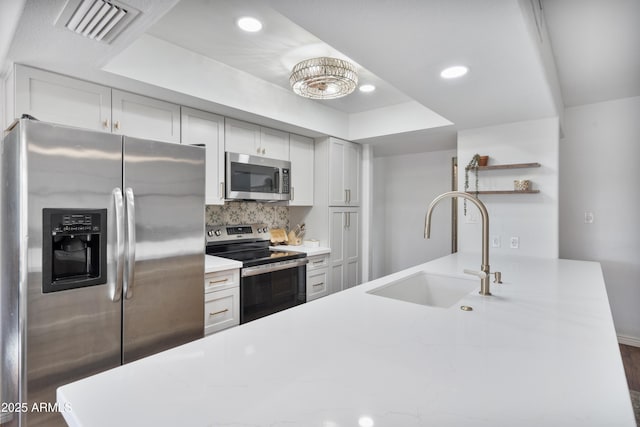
(278,236)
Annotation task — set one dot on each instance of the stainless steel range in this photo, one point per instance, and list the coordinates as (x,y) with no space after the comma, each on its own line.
(271,280)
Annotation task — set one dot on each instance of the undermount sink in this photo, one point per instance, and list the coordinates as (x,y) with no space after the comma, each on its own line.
(428,289)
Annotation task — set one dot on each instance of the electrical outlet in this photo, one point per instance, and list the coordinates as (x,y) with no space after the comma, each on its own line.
(495,241)
(588,217)
(515,242)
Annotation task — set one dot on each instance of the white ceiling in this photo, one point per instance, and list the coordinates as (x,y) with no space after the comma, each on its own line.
(401,46)
(269,54)
(596,44)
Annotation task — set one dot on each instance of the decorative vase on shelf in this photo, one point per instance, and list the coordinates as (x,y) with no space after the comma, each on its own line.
(483,160)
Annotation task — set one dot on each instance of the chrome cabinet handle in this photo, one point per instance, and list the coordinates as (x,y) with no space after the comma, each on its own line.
(119,213)
(218,312)
(318,284)
(131,243)
(221,194)
(346,197)
(116,125)
(264,151)
(213,282)
(293,194)
(105,124)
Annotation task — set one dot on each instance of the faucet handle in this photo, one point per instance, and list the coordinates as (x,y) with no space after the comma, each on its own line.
(497,277)
(480,274)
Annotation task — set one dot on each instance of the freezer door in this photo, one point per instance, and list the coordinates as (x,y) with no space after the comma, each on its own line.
(163,290)
(70,334)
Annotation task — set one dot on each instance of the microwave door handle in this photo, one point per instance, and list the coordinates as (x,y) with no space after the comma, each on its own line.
(131,243)
(278,183)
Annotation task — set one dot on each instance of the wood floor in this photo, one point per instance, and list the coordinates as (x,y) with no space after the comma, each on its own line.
(631,362)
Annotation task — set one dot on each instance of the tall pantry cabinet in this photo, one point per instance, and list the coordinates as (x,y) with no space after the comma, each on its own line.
(335,216)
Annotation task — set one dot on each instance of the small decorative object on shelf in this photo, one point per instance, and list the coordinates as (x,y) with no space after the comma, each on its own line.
(521,184)
(483,160)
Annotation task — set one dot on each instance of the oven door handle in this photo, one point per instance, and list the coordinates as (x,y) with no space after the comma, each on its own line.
(270,268)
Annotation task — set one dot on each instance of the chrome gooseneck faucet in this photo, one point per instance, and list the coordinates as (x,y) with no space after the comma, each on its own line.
(484,272)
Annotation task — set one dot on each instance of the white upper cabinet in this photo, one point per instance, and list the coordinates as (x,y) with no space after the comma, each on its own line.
(248,138)
(206,129)
(59,99)
(274,143)
(242,137)
(143,117)
(344,179)
(301,156)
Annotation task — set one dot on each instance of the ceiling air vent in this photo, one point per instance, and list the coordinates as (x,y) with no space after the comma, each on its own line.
(99,20)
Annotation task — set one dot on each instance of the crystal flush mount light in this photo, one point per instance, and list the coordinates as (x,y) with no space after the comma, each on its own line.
(324,78)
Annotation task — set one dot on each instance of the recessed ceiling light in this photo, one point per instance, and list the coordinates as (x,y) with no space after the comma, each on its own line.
(454,72)
(249,24)
(367,88)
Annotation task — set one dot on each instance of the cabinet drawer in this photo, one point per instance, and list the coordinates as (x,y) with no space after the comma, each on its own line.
(317,285)
(318,261)
(221,280)
(221,310)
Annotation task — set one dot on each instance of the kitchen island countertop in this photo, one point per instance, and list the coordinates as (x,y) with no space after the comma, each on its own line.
(541,351)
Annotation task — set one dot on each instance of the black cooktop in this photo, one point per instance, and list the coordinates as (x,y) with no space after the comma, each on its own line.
(252,253)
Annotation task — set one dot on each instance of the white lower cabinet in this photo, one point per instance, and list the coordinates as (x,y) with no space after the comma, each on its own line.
(344,239)
(317,277)
(221,300)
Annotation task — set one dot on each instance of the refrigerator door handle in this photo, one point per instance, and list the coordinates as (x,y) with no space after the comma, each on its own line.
(119,211)
(131,242)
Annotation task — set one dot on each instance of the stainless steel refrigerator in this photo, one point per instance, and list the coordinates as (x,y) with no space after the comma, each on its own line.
(102,243)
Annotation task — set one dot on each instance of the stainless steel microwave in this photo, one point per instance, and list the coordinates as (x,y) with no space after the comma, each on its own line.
(257,178)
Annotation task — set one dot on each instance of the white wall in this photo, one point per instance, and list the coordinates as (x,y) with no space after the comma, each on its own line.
(403,186)
(600,173)
(533,218)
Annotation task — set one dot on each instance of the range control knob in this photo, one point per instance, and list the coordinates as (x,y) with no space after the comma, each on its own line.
(265,229)
(210,233)
(218,233)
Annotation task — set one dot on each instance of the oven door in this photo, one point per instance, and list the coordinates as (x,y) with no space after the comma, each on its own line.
(269,288)
(256,178)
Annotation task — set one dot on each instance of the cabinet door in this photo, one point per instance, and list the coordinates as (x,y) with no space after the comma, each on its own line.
(352,162)
(242,137)
(221,310)
(337,230)
(148,118)
(317,284)
(337,190)
(59,99)
(202,128)
(301,157)
(274,144)
(351,249)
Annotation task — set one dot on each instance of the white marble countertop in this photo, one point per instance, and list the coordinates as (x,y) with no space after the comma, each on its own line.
(309,250)
(541,351)
(213,264)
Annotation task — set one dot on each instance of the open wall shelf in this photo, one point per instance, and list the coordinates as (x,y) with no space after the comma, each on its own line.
(509,166)
(473,193)
(506,166)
